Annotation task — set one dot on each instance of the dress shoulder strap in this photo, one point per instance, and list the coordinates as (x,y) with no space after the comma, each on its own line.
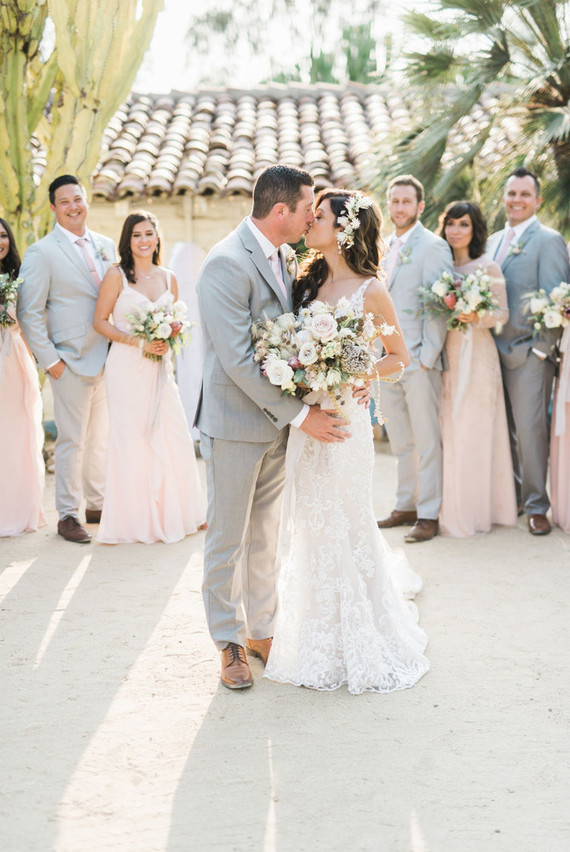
(168,278)
(123,277)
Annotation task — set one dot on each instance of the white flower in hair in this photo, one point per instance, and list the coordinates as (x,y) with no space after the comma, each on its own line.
(349,221)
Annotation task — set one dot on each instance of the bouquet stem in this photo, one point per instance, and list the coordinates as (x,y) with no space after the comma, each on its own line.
(152,357)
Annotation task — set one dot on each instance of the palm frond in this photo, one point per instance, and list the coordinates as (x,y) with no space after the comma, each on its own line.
(483,14)
(432,28)
(435,67)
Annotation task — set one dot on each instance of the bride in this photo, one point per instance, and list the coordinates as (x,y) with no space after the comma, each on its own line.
(343,614)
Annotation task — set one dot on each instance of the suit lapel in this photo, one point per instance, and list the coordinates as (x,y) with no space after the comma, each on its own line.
(261,262)
(406,250)
(72,255)
(523,241)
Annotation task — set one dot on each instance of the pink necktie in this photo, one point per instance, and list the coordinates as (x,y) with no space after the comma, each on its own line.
(392,258)
(507,240)
(276,267)
(82,242)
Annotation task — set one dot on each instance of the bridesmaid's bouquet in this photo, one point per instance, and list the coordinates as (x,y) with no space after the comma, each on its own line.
(451,295)
(323,348)
(8,296)
(550,310)
(166,322)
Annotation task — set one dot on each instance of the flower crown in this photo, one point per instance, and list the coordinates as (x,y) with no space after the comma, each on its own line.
(349,221)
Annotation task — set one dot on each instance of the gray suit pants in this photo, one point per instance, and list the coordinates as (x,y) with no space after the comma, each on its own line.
(81,418)
(245,489)
(411,407)
(527,395)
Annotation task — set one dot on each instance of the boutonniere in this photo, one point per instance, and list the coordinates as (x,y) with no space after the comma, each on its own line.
(516,248)
(291,262)
(404,255)
(101,254)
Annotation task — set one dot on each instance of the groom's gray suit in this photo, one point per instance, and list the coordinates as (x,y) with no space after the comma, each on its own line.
(56,303)
(412,405)
(539,260)
(243,420)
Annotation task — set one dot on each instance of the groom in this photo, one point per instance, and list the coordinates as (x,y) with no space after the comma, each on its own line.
(244,419)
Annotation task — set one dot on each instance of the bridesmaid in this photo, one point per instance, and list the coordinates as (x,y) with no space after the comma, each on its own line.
(560,441)
(478,483)
(21,430)
(152,487)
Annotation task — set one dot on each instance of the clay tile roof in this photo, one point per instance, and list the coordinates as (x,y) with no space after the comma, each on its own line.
(218,140)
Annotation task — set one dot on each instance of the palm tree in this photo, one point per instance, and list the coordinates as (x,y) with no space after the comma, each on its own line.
(518,53)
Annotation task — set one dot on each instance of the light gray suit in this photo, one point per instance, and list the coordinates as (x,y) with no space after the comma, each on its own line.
(541,263)
(412,405)
(56,303)
(243,420)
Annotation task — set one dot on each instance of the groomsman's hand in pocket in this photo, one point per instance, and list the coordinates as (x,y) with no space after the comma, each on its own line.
(324,425)
(57,370)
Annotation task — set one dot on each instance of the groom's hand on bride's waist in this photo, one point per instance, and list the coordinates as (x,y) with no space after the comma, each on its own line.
(325,426)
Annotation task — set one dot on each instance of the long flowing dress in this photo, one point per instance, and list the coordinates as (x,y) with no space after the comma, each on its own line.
(560,441)
(343,614)
(21,437)
(478,483)
(152,487)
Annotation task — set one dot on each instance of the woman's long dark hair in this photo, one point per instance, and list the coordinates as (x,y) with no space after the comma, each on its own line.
(363,257)
(127,262)
(12,262)
(456,210)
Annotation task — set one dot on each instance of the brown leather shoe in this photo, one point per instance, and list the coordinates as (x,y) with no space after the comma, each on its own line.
(71,530)
(93,516)
(539,525)
(259,648)
(235,672)
(398,519)
(422,530)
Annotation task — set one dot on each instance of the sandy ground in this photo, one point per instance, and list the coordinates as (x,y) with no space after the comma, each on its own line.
(117,735)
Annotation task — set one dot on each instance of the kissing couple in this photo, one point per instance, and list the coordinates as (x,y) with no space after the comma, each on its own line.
(337,612)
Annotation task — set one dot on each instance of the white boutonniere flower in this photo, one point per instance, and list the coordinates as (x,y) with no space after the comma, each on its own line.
(404,255)
(515,249)
(101,254)
(291,262)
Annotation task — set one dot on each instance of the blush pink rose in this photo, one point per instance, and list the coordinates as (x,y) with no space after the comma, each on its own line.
(324,327)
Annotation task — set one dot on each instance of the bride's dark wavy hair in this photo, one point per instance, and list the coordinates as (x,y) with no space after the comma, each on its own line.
(364,257)
(127,262)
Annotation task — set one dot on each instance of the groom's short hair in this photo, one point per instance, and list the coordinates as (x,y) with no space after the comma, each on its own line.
(62,180)
(278,184)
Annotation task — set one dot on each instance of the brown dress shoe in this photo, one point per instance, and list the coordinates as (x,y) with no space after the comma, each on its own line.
(259,648)
(235,669)
(93,516)
(71,530)
(398,519)
(422,530)
(539,525)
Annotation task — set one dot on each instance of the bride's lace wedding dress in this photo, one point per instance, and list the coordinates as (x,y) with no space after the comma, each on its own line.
(344,616)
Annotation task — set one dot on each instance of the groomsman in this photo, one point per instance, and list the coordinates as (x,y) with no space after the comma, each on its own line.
(56,303)
(531,257)
(415,257)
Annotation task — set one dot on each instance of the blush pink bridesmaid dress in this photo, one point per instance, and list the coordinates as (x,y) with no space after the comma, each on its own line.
(21,437)
(560,441)
(152,487)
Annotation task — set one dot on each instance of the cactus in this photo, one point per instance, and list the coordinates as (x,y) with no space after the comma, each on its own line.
(65,67)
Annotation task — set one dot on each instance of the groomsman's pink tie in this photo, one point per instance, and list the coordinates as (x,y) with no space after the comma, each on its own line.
(82,242)
(392,258)
(276,267)
(507,240)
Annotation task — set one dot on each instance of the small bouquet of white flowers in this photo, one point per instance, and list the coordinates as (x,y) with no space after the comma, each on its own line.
(324,348)
(550,310)
(167,322)
(451,295)
(8,296)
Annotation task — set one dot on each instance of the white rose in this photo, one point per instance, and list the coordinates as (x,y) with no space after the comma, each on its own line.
(439,288)
(537,305)
(557,293)
(473,299)
(324,327)
(308,354)
(286,321)
(163,331)
(279,373)
(342,307)
(303,336)
(180,307)
(552,319)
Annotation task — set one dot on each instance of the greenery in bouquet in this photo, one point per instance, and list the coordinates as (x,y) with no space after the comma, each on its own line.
(452,295)
(550,310)
(167,322)
(8,297)
(323,348)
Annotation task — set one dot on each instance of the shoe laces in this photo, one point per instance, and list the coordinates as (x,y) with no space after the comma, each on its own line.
(237,653)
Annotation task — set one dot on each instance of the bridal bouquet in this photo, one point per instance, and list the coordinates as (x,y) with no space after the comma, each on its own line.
(451,296)
(322,348)
(550,310)
(167,322)
(8,295)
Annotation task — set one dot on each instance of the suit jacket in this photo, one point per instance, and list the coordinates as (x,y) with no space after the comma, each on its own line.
(541,263)
(237,286)
(422,260)
(56,303)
